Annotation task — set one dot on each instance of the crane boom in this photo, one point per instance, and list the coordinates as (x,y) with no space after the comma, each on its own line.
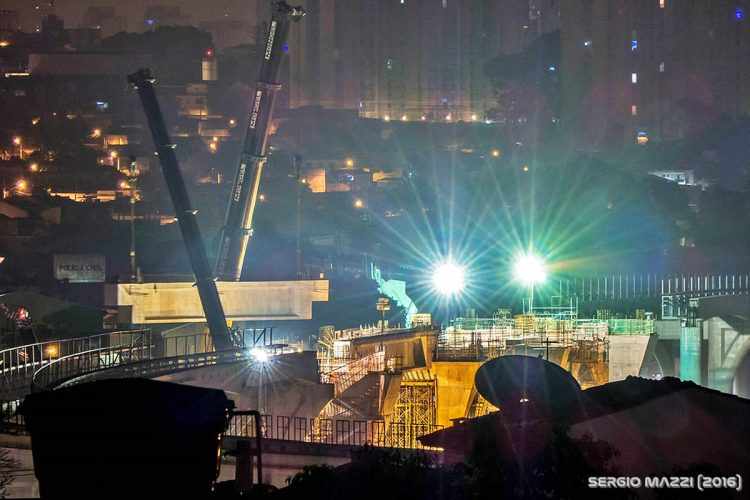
(238,225)
(186,215)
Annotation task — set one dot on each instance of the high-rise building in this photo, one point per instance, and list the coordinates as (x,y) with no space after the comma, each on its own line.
(10,21)
(164,15)
(643,70)
(408,59)
(105,19)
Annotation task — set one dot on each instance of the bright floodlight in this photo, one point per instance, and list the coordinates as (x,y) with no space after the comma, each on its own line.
(260,355)
(448,278)
(529,270)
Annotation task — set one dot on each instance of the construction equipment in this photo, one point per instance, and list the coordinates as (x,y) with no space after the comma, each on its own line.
(238,226)
(186,215)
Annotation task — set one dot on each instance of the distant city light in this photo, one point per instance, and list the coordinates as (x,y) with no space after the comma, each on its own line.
(17,141)
(423,118)
(232,122)
(474,117)
(21,185)
(404,118)
(124,185)
(495,153)
(113,154)
(285,47)
(739,13)
(634,45)
(350,162)
(96,133)
(34,167)
(35,120)
(4,43)
(213,147)
(209,52)
(387,118)
(358,203)
(525,168)
(529,270)
(642,138)
(262,197)
(448,278)
(552,68)
(448,117)
(587,43)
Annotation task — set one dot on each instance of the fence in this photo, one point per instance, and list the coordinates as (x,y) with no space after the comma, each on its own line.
(333,431)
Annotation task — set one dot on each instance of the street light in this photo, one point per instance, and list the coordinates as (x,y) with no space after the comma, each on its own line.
(19,142)
(529,270)
(260,355)
(448,278)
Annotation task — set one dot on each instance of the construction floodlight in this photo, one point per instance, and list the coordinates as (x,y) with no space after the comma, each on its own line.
(448,278)
(529,270)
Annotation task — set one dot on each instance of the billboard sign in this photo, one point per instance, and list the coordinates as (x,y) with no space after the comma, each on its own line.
(80,268)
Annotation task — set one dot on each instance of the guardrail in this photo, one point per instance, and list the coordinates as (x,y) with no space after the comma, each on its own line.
(333,431)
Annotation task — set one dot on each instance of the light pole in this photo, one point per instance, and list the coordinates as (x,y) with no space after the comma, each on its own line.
(529,270)
(261,358)
(19,142)
(448,280)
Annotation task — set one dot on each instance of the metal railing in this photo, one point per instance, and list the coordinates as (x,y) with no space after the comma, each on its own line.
(18,364)
(346,376)
(333,431)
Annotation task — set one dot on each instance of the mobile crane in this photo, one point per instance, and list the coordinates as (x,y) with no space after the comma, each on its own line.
(186,215)
(238,225)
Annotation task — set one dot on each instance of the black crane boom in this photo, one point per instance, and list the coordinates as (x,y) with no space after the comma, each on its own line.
(186,215)
(238,226)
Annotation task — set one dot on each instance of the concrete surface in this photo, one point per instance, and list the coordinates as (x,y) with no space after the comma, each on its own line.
(148,303)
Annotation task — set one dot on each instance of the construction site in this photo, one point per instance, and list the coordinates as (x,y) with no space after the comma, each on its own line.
(422,378)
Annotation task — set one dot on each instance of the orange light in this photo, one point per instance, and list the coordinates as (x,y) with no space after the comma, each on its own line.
(52,351)
(213,147)
(21,185)
(34,167)
(113,154)
(96,133)
(35,120)
(124,185)
(349,162)
(17,141)
(358,203)
(4,43)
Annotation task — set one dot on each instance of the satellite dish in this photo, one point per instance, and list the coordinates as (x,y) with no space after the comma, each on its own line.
(515,382)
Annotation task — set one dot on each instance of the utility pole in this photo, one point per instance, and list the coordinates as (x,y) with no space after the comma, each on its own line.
(133,266)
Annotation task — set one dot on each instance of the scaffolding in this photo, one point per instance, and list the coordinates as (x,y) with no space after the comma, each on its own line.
(414,413)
